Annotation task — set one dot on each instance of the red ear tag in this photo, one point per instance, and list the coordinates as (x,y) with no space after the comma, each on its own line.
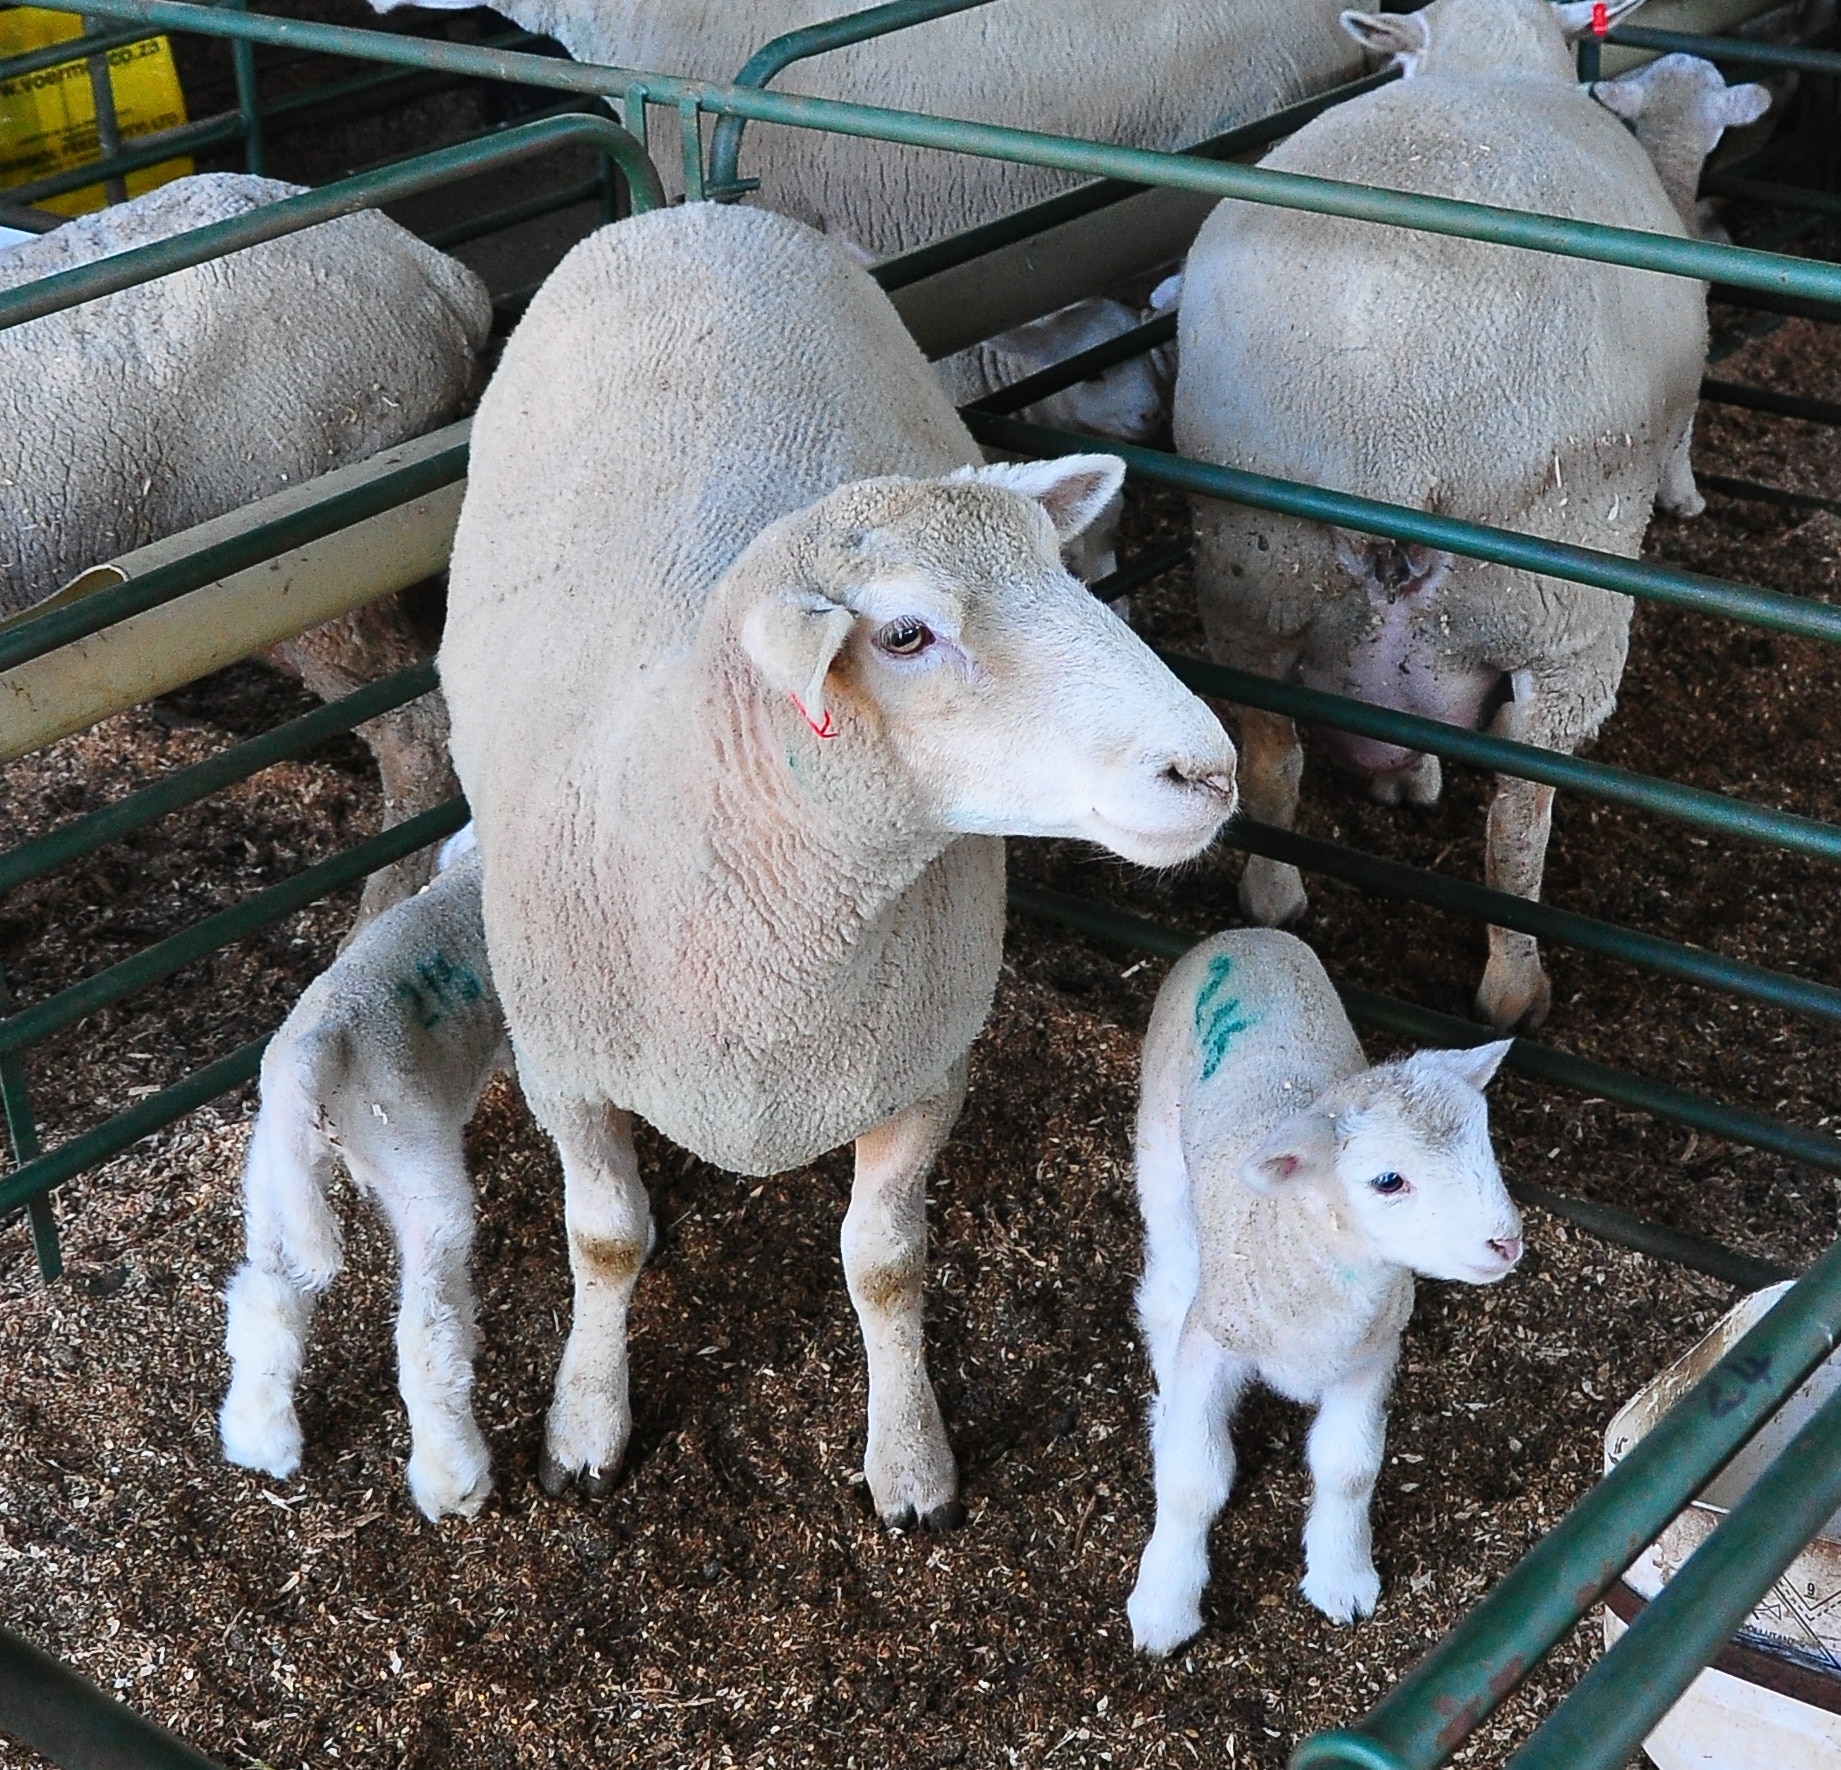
(1601,18)
(827,730)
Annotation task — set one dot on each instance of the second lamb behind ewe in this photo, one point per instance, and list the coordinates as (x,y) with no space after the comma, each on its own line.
(1290,1192)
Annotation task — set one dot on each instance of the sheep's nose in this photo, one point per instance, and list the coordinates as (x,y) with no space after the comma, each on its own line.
(1506,1248)
(1210,777)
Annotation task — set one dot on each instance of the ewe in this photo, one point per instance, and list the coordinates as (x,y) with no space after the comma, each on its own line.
(379,1067)
(739,738)
(1289,1194)
(145,412)
(1514,388)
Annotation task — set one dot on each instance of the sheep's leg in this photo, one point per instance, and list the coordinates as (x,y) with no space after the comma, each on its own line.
(1678,494)
(1344,1452)
(1515,992)
(1192,1457)
(425,1192)
(610,1232)
(1271,768)
(912,1475)
(292,1254)
(1420,782)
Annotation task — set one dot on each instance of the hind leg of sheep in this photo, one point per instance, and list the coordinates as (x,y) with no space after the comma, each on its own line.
(610,1228)
(1344,1453)
(1271,768)
(912,1475)
(1192,1458)
(425,1192)
(1515,992)
(1419,783)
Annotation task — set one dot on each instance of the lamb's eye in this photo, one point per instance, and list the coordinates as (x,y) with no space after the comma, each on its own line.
(1389,1185)
(905,637)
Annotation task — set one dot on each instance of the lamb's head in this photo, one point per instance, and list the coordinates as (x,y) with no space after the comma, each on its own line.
(930,628)
(1485,39)
(1400,1154)
(1678,107)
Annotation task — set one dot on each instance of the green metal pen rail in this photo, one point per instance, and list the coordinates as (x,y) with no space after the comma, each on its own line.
(1432,1711)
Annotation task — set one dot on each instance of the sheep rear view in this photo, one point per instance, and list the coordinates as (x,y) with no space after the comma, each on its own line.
(739,724)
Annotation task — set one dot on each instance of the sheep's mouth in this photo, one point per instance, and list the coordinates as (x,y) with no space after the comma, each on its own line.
(1171,843)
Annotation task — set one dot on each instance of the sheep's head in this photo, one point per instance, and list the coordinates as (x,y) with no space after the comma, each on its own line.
(933,621)
(1481,38)
(1401,1154)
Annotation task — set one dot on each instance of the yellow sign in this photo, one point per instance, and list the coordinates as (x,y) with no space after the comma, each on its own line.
(48,118)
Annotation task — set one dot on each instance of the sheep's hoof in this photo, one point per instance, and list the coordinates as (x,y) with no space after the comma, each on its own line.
(556,1478)
(944,1517)
(1271,893)
(1515,1006)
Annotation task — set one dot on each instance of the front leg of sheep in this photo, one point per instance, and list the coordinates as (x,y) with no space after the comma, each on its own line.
(909,1463)
(1271,769)
(1344,1452)
(610,1230)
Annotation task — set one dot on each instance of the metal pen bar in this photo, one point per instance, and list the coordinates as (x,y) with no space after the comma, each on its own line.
(1781,405)
(29,220)
(29,1026)
(108,128)
(1781,276)
(1082,366)
(186,786)
(1736,51)
(1602,1724)
(1583,565)
(149,150)
(22,1132)
(249,98)
(70,49)
(1761,494)
(1775,196)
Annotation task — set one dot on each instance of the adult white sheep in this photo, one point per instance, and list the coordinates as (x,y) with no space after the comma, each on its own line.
(740,727)
(1289,1193)
(1519,389)
(150,410)
(379,1067)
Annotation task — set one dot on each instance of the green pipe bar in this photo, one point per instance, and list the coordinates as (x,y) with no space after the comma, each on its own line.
(70,49)
(1775,196)
(249,99)
(566,196)
(1771,609)
(1780,276)
(29,1026)
(149,150)
(1735,51)
(778,55)
(90,614)
(1827,313)
(27,219)
(1431,1711)
(51,1709)
(1612,1708)
(1095,360)
(22,1133)
(186,786)
(1762,494)
(447,165)
(108,127)
(1781,405)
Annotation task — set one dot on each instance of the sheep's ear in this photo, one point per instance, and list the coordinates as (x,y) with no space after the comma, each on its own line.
(1168,294)
(793,638)
(1739,105)
(1301,1149)
(1073,490)
(1477,1064)
(1576,16)
(1404,35)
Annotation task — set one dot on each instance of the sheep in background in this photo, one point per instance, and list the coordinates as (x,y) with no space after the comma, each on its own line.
(142,413)
(1289,1193)
(380,1067)
(1512,388)
(742,716)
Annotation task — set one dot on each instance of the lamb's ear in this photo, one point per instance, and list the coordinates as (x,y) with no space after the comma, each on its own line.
(1403,35)
(793,637)
(1477,1064)
(1622,98)
(1301,1149)
(1073,489)
(1576,16)
(1739,105)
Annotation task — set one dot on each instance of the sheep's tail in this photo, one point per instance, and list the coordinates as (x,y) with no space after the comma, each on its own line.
(1172,1248)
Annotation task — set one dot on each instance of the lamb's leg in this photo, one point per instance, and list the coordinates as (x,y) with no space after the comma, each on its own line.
(1344,1452)
(1192,1458)
(425,1192)
(292,1254)
(1271,768)
(912,1475)
(1515,992)
(1678,494)
(610,1231)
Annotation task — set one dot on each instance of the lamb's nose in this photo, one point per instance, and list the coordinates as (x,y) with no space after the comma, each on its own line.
(1507,1248)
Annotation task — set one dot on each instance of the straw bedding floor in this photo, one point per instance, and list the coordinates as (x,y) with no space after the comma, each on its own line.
(734,1601)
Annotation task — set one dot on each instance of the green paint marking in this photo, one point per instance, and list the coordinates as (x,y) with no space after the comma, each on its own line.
(1218,1020)
(438,987)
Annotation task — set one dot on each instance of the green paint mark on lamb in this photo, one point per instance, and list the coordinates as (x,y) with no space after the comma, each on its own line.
(438,987)
(1218,1020)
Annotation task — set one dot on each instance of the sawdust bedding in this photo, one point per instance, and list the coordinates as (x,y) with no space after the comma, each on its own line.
(734,1601)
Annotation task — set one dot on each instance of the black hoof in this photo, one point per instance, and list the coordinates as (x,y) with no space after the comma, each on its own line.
(552,1477)
(597,1483)
(944,1518)
(902,1520)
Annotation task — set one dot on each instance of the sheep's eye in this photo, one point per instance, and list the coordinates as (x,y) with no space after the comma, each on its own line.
(905,637)
(1388,1185)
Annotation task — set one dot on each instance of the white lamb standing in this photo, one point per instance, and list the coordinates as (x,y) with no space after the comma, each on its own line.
(142,413)
(1519,389)
(742,714)
(1289,1193)
(379,1067)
